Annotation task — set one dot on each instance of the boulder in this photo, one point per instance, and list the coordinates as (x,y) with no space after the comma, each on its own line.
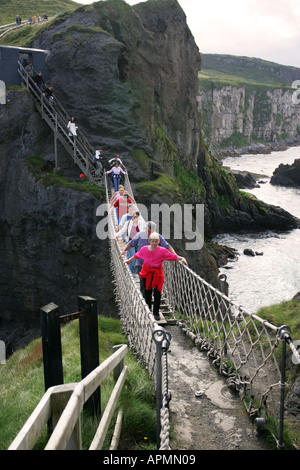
(287,175)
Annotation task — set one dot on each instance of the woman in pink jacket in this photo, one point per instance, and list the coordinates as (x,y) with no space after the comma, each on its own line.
(152,271)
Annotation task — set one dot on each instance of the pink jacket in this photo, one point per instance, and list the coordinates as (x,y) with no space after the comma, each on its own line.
(154,258)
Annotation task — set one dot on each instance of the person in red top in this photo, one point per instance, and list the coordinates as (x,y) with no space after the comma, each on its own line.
(152,271)
(121,204)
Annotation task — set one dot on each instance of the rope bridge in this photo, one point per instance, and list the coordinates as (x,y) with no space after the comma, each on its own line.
(243,346)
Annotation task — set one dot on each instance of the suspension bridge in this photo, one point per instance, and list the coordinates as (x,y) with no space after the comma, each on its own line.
(247,352)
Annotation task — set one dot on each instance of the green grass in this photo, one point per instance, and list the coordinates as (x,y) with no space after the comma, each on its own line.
(25,9)
(53,178)
(241,70)
(22,387)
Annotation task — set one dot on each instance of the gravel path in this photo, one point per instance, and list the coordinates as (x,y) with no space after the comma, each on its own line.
(216,419)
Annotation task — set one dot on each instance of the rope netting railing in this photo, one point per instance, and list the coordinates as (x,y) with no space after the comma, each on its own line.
(243,346)
(147,340)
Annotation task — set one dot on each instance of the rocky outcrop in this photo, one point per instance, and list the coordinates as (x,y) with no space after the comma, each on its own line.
(129,74)
(49,248)
(287,175)
(237,115)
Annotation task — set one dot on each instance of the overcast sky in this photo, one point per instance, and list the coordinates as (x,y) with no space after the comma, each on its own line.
(267,29)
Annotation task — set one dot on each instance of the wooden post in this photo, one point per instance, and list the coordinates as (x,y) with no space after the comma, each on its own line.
(55,142)
(89,345)
(51,342)
(59,401)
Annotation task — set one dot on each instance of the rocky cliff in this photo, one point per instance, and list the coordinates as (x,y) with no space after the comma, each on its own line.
(247,100)
(237,115)
(130,78)
(49,248)
(129,74)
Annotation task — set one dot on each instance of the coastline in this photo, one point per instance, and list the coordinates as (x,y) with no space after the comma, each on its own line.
(255,148)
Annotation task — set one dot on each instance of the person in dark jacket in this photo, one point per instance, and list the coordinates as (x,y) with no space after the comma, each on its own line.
(38,79)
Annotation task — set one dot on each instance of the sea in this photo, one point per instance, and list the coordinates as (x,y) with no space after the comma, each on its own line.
(274,276)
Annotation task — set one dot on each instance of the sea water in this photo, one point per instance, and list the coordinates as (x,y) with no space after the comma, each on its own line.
(274,276)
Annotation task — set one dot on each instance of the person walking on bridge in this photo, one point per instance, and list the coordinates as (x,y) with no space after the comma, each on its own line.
(116,175)
(142,239)
(151,274)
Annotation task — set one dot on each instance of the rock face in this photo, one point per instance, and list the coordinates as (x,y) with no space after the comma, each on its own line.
(49,248)
(236,115)
(287,175)
(130,76)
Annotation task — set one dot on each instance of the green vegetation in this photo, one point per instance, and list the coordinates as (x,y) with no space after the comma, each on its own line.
(164,187)
(22,387)
(237,140)
(164,146)
(191,186)
(10,9)
(36,166)
(242,70)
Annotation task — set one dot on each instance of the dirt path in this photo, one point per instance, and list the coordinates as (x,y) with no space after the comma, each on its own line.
(215,419)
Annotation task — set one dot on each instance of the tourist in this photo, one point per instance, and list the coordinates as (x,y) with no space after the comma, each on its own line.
(133,226)
(142,239)
(18,20)
(116,172)
(121,204)
(30,69)
(98,159)
(39,81)
(126,217)
(48,92)
(114,160)
(151,274)
(72,127)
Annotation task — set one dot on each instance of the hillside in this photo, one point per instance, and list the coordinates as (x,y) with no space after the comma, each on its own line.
(246,70)
(9,9)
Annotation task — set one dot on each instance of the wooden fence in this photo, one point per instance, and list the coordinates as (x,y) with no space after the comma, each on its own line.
(63,405)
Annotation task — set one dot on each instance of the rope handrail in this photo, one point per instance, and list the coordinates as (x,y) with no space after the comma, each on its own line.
(241,344)
(139,325)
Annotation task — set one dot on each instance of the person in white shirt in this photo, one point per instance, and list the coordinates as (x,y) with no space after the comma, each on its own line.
(133,226)
(72,127)
(115,160)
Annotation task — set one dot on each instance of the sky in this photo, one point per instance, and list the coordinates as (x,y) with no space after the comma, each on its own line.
(266,29)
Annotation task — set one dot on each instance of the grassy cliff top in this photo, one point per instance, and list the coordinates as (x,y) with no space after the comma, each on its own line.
(10,9)
(238,70)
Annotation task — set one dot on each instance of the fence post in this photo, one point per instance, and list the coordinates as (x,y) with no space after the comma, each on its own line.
(161,339)
(89,345)
(51,342)
(118,369)
(284,336)
(158,382)
(224,290)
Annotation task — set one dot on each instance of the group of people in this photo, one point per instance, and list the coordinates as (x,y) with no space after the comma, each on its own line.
(47,91)
(37,77)
(32,19)
(145,249)
(114,167)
